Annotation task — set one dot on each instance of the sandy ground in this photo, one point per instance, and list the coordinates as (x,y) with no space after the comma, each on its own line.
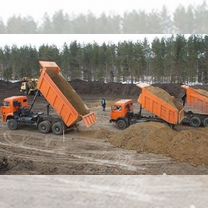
(83,151)
(104,191)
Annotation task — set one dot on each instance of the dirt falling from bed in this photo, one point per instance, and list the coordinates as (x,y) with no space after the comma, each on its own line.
(162,94)
(202,92)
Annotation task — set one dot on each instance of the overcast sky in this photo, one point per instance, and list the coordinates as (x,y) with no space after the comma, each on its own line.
(37,8)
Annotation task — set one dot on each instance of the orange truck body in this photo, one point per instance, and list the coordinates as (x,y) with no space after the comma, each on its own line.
(195,102)
(160,108)
(57,98)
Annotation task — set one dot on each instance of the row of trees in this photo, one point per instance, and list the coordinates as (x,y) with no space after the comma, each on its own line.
(174,59)
(183,20)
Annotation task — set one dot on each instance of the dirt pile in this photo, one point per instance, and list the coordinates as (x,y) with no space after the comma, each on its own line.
(126,90)
(69,93)
(8,89)
(105,89)
(165,96)
(4,84)
(191,146)
(9,85)
(187,145)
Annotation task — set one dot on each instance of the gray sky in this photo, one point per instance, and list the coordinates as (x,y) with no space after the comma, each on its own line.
(37,8)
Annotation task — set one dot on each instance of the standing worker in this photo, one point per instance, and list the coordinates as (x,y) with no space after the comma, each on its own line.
(103,103)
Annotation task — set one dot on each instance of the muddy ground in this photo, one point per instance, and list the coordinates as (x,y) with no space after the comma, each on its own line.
(79,151)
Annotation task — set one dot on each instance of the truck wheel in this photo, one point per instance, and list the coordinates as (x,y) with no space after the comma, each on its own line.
(205,122)
(12,124)
(44,127)
(195,122)
(121,124)
(58,128)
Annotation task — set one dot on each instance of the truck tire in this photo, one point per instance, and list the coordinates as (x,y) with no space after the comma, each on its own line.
(12,124)
(44,127)
(58,128)
(195,122)
(121,124)
(205,122)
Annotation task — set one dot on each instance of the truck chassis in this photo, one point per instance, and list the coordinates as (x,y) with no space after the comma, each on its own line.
(191,119)
(44,123)
(134,118)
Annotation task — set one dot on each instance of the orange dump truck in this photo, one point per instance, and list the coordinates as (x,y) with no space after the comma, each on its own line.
(196,106)
(59,94)
(163,107)
(160,107)
(161,110)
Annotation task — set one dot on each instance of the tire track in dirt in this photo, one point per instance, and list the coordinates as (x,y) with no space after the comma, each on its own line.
(19,150)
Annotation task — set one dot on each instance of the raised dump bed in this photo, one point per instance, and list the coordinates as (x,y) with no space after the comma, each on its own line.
(62,97)
(196,100)
(158,102)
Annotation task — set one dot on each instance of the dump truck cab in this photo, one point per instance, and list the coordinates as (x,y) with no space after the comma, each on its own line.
(120,112)
(13,105)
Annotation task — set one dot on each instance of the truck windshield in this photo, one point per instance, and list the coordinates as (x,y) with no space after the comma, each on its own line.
(116,108)
(5,103)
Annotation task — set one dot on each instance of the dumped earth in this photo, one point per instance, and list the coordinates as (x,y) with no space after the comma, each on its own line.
(146,148)
(187,145)
(165,96)
(202,92)
(173,89)
(106,89)
(9,89)
(69,92)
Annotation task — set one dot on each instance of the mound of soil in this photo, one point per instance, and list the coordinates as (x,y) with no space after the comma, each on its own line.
(9,85)
(105,89)
(187,145)
(8,89)
(4,84)
(191,146)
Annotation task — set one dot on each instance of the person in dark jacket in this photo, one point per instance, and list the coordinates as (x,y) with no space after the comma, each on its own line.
(103,103)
